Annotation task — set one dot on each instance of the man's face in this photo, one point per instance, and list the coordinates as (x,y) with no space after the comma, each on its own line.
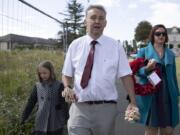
(95,22)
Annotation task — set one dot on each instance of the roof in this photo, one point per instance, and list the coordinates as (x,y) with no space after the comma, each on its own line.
(26,39)
(170,30)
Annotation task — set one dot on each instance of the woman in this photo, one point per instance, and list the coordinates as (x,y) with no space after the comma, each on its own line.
(159,111)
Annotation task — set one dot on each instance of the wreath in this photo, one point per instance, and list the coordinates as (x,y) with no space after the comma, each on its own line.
(143,89)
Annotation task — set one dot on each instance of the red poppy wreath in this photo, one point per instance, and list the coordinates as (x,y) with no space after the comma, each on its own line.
(143,89)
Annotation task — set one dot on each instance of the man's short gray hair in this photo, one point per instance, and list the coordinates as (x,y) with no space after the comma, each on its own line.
(99,7)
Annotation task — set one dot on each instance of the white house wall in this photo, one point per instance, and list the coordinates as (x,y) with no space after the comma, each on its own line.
(173,37)
(3,46)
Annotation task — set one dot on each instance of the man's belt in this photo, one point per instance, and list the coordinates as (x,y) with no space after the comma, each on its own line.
(101,102)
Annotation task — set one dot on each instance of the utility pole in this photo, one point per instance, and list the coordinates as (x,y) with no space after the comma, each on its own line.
(65,29)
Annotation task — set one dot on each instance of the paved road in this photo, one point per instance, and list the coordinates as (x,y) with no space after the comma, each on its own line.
(125,128)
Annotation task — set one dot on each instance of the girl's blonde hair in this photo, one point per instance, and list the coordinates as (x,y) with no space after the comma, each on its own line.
(48,65)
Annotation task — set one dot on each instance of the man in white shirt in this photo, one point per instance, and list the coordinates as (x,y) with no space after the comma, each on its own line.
(94,109)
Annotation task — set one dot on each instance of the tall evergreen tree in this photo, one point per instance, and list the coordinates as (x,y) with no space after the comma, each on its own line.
(73,21)
(134,45)
(75,16)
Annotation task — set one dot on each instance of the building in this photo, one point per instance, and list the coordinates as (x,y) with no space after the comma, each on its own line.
(12,41)
(174,39)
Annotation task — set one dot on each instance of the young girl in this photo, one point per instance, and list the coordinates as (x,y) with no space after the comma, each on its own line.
(52,112)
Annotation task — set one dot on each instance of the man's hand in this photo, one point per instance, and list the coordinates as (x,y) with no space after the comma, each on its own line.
(69,95)
(132,113)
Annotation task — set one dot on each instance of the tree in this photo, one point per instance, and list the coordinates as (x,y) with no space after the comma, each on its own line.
(171,46)
(142,45)
(134,45)
(73,21)
(74,17)
(142,31)
(128,48)
(178,45)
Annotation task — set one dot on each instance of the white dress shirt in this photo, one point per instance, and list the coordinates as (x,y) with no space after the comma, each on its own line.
(110,63)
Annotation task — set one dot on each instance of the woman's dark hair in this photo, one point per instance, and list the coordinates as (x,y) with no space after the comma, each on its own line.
(151,35)
(48,65)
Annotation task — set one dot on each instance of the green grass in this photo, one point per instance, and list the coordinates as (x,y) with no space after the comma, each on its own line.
(17,77)
(178,70)
(18,68)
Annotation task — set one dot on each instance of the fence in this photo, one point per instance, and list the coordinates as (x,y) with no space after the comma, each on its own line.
(18,18)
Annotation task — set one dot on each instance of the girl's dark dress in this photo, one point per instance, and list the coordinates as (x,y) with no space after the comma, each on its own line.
(52,113)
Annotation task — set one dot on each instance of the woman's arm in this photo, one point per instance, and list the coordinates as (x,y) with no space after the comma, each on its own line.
(150,66)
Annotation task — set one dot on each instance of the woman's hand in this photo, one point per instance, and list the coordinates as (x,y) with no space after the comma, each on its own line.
(151,65)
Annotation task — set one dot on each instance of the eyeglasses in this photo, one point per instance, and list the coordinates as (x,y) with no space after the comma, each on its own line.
(160,33)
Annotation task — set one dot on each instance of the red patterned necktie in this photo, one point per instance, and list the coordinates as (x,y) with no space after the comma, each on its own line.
(88,67)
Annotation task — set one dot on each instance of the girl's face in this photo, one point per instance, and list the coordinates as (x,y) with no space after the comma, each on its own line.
(44,73)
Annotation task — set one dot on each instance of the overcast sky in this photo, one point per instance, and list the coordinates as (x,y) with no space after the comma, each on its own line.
(123,16)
